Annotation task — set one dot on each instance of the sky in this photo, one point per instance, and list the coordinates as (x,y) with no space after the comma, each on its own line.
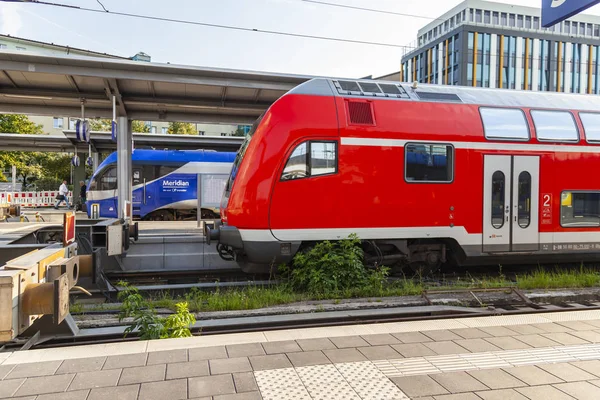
(223,48)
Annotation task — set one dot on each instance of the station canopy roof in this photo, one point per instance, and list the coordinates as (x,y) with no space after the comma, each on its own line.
(39,84)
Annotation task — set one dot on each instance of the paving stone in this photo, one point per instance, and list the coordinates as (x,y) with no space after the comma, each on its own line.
(442,348)
(5,370)
(9,387)
(525,329)
(552,328)
(545,392)
(411,337)
(172,390)
(245,350)
(207,353)
(536,340)
(166,357)
(95,379)
(345,342)
(567,372)
(117,393)
(580,390)
(244,382)
(496,379)
(458,382)
(590,336)
(316,344)
(34,369)
(125,361)
(187,369)
(497,331)
(151,373)
(81,365)
(441,335)
(420,385)
(565,338)
(77,395)
(592,366)
(239,396)
(380,339)
(507,343)
(471,333)
(532,375)
(308,358)
(477,345)
(504,394)
(344,355)
(274,361)
(287,346)
(24,398)
(459,396)
(45,384)
(229,365)
(577,325)
(413,350)
(596,382)
(211,385)
(379,353)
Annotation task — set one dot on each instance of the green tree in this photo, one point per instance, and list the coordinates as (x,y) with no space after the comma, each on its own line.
(18,123)
(27,163)
(104,125)
(239,132)
(182,128)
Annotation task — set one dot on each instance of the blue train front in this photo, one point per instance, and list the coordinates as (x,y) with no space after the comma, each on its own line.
(164,184)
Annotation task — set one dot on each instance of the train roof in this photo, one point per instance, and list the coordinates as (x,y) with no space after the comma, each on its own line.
(447,94)
(165,157)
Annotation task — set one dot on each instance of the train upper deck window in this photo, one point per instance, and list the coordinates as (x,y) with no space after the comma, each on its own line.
(428,162)
(591,126)
(504,123)
(312,158)
(556,126)
(579,209)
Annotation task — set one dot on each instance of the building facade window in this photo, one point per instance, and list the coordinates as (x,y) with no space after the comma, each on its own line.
(57,123)
(19,48)
(3,46)
(153,129)
(495,18)
(164,130)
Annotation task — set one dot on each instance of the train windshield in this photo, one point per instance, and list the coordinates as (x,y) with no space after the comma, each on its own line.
(240,156)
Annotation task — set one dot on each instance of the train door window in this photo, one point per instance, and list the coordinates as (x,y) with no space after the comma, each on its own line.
(591,126)
(524,202)
(556,126)
(428,163)
(137,176)
(504,123)
(579,209)
(311,159)
(108,181)
(498,199)
(164,170)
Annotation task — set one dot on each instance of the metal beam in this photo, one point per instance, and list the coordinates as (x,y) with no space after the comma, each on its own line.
(42,109)
(12,82)
(152,89)
(52,94)
(223,95)
(256,95)
(194,103)
(117,92)
(73,83)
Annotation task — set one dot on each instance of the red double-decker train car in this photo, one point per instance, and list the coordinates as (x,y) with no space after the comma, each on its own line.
(422,174)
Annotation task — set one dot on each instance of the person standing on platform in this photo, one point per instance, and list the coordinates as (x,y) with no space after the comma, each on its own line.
(63,191)
(82,195)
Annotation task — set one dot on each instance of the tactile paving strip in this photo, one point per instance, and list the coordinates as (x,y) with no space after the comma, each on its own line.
(347,381)
(487,360)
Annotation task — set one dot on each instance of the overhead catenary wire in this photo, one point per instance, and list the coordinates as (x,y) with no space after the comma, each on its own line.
(220,26)
(373,10)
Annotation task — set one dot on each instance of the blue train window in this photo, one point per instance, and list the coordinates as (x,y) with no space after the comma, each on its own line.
(428,162)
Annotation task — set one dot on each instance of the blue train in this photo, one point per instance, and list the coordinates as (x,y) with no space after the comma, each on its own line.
(164,184)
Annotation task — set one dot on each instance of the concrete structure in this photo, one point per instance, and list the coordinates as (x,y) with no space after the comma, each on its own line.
(554,355)
(481,43)
(54,125)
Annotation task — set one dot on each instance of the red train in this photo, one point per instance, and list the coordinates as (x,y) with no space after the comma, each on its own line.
(423,174)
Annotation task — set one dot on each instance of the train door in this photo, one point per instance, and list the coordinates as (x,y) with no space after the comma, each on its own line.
(511,201)
(139,189)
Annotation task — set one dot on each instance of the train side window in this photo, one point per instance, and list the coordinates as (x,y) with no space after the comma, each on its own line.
(108,181)
(556,126)
(428,163)
(311,159)
(297,165)
(524,203)
(591,126)
(498,200)
(579,209)
(504,123)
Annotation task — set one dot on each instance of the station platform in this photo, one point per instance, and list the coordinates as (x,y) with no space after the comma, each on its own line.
(549,356)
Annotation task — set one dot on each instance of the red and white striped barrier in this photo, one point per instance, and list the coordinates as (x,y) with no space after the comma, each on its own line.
(32,199)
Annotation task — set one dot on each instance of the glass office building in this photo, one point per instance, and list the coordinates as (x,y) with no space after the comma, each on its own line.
(487,44)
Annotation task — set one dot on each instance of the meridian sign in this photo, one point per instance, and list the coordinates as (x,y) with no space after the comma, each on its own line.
(555,11)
